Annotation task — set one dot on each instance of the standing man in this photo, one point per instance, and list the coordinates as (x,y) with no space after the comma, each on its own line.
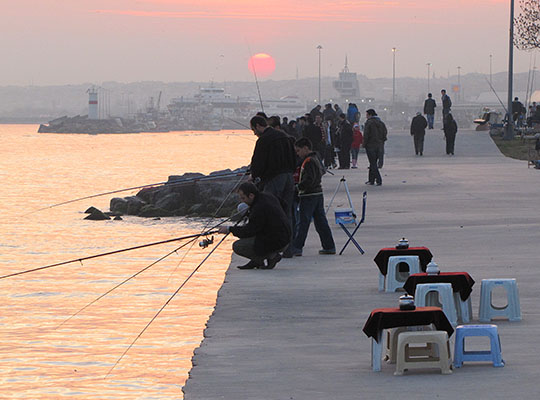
(429,110)
(314,131)
(450,129)
(311,201)
(374,132)
(267,232)
(518,111)
(418,131)
(446,104)
(273,162)
(346,138)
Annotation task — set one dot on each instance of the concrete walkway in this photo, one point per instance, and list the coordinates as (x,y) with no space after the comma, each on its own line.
(296,332)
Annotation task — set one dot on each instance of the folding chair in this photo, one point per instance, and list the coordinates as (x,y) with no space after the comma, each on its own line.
(341,222)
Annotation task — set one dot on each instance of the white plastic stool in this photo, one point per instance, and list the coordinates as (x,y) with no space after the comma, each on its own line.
(392,338)
(406,360)
(488,311)
(423,297)
(396,279)
(463,308)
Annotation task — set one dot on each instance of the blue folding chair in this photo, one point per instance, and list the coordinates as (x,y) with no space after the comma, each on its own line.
(342,221)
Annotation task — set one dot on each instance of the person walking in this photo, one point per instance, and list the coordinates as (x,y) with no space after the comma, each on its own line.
(446,103)
(266,233)
(374,133)
(358,138)
(418,132)
(450,130)
(429,110)
(346,138)
(311,201)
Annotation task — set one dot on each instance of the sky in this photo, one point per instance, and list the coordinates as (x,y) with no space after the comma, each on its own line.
(54,42)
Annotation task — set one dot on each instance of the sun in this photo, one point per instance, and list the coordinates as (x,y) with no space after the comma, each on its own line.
(262,64)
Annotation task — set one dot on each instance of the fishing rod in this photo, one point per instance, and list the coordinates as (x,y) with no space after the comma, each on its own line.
(166,303)
(500,101)
(255,75)
(148,186)
(109,253)
(204,243)
(125,281)
(239,123)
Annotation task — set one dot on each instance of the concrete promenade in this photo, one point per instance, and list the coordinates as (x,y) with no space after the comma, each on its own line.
(296,332)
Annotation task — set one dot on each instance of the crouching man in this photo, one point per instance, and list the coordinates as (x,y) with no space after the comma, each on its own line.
(267,232)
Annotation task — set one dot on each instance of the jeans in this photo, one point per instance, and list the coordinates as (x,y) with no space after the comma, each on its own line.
(450,141)
(430,119)
(374,175)
(418,143)
(313,206)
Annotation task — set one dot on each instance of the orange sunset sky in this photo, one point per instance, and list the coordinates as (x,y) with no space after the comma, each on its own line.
(74,41)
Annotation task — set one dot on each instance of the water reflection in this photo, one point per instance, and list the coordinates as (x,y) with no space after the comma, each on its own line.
(42,361)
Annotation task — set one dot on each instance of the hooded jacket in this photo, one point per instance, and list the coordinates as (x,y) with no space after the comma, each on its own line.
(274,154)
(375,133)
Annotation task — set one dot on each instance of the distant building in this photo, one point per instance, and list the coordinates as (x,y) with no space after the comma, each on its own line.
(347,84)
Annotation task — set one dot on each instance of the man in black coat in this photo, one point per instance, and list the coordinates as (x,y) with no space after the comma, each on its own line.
(345,136)
(266,234)
(446,104)
(429,109)
(418,131)
(314,131)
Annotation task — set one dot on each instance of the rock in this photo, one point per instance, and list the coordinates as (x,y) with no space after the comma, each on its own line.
(97,215)
(118,218)
(170,202)
(90,210)
(149,211)
(134,205)
(118,205)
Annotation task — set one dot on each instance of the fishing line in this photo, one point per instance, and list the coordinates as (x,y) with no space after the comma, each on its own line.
(500,101)
(166,303)
(124,281)
(108,253)
(148,186)
(255,75)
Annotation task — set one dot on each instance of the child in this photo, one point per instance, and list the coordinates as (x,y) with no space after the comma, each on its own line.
(356,144)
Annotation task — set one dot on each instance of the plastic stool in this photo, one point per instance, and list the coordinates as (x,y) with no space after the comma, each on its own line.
(494,355)
(423,297)
(463,308)
(392,338)
(395,279)
(512,310)
(426,360)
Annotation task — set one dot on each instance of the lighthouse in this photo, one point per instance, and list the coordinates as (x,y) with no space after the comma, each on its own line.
(93,104)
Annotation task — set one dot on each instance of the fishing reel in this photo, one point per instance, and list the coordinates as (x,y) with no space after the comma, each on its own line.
(206,242)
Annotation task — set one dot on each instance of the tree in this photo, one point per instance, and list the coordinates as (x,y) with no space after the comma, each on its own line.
(527,25)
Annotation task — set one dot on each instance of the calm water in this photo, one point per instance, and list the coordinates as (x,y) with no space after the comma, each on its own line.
(40,362)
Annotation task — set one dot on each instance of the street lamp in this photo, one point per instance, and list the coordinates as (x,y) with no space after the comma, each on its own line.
(319,47)
(393,77)
(428,73)
(459,82)
(509,132)
(490,63)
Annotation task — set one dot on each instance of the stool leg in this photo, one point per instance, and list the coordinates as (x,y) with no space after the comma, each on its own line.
(376,352)
(496,351)
(381,282)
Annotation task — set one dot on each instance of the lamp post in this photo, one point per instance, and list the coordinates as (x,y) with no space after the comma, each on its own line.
(509,131)
(428,73)
(319,47)
(459,83)
(393,78)
(490,70)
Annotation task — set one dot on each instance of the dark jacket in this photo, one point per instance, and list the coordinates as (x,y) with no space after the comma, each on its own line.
(345,134)
(429,106)
(310,176)
(267,223)
(315,135)
(446,102)
(450,127)
(375,133)
(418,125)
(274,154)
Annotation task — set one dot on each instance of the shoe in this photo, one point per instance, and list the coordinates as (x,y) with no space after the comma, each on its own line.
(271,262)
(354,167)
(369,183)
(328,252)
(250,265)
(421,154)
(288,253)
(378,184)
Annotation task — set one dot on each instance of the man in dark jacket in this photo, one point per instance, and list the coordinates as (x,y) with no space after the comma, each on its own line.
(311,201)
(418,131)
(450,129)
(314,131)
(446,104)
(267,232)
(429,110)
(273,162)
(374,133)
(345,138)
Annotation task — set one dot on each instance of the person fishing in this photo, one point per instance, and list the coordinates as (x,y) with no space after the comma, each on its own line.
(267,233)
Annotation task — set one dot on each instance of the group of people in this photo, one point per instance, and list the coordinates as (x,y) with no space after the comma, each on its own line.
(419,123)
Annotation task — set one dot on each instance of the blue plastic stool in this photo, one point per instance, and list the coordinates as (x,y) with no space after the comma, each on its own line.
(494,355)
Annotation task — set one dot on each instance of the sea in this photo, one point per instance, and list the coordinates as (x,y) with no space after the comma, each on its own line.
(41,355)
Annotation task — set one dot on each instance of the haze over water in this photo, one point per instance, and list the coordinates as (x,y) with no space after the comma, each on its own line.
(37,170)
